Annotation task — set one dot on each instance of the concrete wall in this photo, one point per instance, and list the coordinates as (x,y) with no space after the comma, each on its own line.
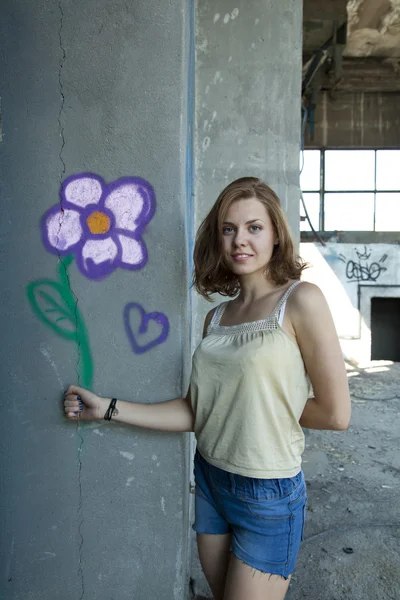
(355,120)
(350,275)
(92,511)
(248,81)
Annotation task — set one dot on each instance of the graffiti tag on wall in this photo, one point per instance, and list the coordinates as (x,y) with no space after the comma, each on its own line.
(54,303)
(137,335)
(100,226)
(362,270)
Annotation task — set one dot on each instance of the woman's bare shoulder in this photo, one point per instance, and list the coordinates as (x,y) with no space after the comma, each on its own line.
(307,296)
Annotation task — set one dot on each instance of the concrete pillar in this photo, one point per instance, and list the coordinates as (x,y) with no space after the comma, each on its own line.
(92,511)
(248,83)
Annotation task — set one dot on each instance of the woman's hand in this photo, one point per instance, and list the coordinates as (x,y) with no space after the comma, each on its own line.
(82,405)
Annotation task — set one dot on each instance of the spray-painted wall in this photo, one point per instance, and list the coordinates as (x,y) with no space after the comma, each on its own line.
(94,280)
(350,275)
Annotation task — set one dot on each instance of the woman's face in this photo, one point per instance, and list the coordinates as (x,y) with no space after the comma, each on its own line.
(248,237)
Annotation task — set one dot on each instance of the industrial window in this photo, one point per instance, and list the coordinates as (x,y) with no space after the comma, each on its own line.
(350,190)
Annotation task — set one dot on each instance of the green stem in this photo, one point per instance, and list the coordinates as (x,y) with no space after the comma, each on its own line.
(82,338)
(86,362)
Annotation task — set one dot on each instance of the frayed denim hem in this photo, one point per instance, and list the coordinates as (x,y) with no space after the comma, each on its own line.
(280,570)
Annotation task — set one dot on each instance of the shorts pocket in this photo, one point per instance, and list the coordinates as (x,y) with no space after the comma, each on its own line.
(279,488)
(298,507)
(276,509)
(298,498)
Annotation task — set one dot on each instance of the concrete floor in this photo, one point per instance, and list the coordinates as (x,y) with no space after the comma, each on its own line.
(352,537)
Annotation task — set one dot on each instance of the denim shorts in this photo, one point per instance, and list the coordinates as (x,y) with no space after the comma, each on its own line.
(265,516)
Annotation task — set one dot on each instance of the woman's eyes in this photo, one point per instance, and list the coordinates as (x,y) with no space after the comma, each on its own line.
(253,228)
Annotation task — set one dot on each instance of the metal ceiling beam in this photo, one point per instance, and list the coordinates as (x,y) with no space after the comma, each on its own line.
(315,63)
(365,75)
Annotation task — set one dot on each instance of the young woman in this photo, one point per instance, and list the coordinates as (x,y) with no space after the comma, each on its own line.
(249,395)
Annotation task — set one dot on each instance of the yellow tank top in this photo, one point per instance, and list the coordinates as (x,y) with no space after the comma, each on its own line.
(248,390)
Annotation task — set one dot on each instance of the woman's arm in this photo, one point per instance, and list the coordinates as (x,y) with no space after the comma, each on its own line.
(172,415)
(316,336)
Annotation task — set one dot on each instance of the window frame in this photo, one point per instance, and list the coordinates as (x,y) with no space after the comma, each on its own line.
(323,192)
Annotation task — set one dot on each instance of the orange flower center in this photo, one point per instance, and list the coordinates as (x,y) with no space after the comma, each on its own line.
(98,222)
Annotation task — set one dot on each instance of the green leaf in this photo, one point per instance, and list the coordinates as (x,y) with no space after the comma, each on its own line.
(49,301)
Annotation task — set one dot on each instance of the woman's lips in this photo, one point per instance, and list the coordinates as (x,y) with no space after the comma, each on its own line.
(241,257)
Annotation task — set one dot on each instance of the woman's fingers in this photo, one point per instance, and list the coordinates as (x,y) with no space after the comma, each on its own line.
(73,401)
(73,405)
(80,403)
(72,408)
(72,397)
(73,416)
(81,394)
(74,389)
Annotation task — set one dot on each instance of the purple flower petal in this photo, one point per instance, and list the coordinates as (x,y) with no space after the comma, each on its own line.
(98,258)
(62,229)
(83,191)
(133,251)
(130,202)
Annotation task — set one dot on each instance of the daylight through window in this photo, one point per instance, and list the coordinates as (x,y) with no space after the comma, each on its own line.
(351,190)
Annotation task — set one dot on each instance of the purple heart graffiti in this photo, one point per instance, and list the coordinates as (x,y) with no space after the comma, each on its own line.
(134,336)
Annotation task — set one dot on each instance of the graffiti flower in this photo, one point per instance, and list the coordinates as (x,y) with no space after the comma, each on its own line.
(100,224)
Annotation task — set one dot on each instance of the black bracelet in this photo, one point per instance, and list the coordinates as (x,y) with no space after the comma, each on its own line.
(110,410)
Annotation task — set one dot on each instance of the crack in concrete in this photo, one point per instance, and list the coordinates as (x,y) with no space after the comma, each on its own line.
(63,171)
(62,175)
(60,125)
(59,118)
(1,124)
(80,515)
(80,448)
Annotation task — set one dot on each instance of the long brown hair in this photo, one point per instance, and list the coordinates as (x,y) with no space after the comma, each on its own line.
(210,272)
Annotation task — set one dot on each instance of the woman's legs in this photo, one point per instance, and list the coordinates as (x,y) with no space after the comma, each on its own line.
(230,578)
(267,518)
(214,558)
(245,583)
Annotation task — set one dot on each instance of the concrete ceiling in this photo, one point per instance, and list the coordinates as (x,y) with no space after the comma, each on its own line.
(351,73)
(373,26)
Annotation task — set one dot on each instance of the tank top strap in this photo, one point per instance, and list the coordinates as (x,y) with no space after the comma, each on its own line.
(215,319)
(279,311)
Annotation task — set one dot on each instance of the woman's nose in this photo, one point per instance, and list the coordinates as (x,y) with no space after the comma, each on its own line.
(240,239)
